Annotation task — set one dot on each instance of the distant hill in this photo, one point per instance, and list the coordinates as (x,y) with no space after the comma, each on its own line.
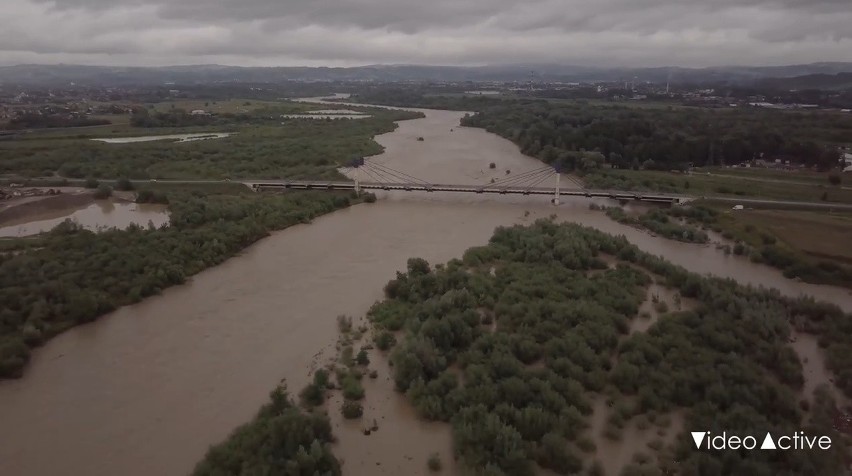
(56,75)
(840,81)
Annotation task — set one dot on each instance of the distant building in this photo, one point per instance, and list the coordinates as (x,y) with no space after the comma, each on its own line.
(200,112)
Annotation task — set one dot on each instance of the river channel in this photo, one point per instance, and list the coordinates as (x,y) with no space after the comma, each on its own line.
(146,389)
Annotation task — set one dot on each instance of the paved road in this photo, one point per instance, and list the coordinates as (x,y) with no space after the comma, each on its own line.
(781,203)
(731,200)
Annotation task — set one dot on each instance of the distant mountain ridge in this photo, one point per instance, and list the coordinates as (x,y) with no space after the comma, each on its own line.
(57,75)
(810,81)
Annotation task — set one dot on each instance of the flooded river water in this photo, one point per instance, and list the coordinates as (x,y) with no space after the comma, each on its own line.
(101,214)
(146,389)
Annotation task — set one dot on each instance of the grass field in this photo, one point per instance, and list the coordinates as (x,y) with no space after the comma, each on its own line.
(802,176)
(263,145)
(817,234)
(704,185)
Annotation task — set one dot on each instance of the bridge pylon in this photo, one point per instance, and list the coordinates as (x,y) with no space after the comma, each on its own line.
(356,165)
(555,200)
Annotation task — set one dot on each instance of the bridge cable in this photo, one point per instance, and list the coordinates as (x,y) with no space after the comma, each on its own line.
(389,177)
(521,181)
(368,172)
(410,177)
(541,180)
(535,182)
(518,178)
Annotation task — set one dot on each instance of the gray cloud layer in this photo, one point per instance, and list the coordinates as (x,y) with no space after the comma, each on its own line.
(344,32)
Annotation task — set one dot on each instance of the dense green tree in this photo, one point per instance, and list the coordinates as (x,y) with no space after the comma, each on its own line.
(280,440)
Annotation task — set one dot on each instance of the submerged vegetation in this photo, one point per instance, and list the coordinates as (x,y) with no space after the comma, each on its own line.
(282,439)
(70,275)
(760,243)
(659,222)
(513,343)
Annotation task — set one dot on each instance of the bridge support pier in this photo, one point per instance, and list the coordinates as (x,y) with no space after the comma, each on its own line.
(556,195)
(357,184)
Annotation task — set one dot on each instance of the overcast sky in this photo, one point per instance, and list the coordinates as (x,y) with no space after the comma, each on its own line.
(473,32)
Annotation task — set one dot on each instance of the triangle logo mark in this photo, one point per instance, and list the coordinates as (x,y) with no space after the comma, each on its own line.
(768,444)
(698,436)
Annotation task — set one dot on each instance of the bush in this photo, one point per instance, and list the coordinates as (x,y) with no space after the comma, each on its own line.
(312,395)
(280,440)
(103,191)
(91,183)
(434,463)
(385,340)
(370,198)
(150,196)
(596,469)
(362,358)
(344,324)
(352,389)
(835,179)
(492,165)
(352,410)
(124,184)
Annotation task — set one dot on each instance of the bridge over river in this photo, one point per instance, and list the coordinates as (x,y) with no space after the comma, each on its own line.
(271,185)
(526,183)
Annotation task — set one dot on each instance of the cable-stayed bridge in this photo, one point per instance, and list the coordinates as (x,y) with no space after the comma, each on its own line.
(382,177)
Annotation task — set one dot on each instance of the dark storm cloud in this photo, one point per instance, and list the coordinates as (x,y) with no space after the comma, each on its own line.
(635,32)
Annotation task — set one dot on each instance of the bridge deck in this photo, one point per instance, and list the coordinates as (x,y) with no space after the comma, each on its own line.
(506,190)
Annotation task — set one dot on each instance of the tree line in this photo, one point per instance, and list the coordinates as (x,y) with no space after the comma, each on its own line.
(664,139)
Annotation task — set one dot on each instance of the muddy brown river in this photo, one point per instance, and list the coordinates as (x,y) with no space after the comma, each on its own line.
(146,389)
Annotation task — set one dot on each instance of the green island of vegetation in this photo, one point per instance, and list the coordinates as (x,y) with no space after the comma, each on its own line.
(517,344)
(658,221)
(282,439)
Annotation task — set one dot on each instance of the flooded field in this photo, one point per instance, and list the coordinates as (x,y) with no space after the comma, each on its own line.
(165,378)
(325,116)
(173,137)
(98,215)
